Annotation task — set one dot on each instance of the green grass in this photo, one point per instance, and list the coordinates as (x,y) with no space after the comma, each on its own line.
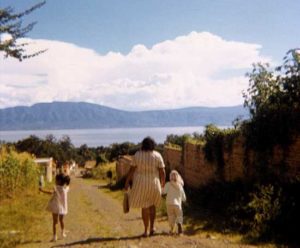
(100,172)
(173,146)
(21,219)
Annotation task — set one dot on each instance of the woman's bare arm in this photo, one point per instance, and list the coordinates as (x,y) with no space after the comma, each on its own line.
(162,176)
(46,191)
(129,177)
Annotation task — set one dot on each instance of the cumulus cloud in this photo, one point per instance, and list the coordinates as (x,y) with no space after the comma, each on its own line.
(198,69)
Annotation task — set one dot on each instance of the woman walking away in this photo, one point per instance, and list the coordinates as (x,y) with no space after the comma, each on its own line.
(58,204)
(175,195)
(147,175)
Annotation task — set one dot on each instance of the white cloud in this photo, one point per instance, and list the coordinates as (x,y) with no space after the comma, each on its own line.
(199,69)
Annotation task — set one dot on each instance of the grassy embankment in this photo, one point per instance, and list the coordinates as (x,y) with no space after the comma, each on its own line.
(22,207)
(22,219)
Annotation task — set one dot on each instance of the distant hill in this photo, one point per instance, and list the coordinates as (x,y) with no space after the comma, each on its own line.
(79,115)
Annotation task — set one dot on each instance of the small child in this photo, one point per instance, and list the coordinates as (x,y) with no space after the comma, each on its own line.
(175,195)
(58,204)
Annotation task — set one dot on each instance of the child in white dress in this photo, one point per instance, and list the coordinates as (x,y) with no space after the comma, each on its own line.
(175,196)
(58,204)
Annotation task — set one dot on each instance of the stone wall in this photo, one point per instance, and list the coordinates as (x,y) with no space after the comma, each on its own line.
(173,159)
(122,167)
(238,164)
(290,157)
(190,163)
(293,159)
(234,162)
(197,171)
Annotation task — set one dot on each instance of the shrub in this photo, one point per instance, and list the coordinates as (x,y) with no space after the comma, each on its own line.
(216,142)
(101,159)
(104,172)
(265,205)
(18,173)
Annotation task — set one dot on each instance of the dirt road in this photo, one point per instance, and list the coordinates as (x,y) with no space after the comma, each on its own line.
(95,219)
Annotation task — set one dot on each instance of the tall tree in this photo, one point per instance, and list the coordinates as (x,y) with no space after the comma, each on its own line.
(11,29)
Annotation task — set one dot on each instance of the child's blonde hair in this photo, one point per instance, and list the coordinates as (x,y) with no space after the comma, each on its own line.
(177,177)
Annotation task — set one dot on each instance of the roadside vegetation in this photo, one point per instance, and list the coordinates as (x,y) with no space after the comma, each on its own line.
(19,197)
(18,173)
(20,220)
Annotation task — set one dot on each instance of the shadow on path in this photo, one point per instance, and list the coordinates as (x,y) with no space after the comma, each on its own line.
(99,240)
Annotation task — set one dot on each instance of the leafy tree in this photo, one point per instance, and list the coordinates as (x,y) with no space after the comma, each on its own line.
(66,147)
(11,27)
(101,158)
(178,139)
(61,150)
(273,99)
(269,89)
(86,152)
(122,149)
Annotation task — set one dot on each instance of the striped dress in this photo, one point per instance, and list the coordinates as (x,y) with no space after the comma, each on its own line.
(146,188)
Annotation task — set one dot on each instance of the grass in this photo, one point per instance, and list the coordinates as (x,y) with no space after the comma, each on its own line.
(173,146)
(196,142)
(198,221)
(21,218)
(100,172)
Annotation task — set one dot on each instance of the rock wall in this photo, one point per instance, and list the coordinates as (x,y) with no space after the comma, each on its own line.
(122,167)
(197,171)
(287,160)
(293,159)
(234,162)
(173,159)
(238,163)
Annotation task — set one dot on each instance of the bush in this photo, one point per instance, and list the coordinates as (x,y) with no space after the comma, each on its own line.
(273,99)
(18,173)
(265,205)
(262,212)
(101,159)
(216,142)
(104,172)
(125,148)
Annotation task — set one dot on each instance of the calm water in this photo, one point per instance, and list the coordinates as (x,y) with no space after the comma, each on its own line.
(102,137)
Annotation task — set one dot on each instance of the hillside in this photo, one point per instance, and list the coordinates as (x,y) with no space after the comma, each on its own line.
(79,115)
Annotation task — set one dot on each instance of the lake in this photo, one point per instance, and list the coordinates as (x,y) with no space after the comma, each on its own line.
(102,137)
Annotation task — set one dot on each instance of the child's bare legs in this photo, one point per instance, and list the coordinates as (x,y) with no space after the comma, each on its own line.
(171,217)
(62,225)
(179,220)
(179,225)
(57,217)
(55,221)
(175,216)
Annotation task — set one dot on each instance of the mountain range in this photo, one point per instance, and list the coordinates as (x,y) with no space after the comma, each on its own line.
(79,115)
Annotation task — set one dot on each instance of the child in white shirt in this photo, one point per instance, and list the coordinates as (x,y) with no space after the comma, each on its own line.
(175,196)
(58,204)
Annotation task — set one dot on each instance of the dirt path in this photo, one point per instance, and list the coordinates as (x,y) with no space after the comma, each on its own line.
(95,219)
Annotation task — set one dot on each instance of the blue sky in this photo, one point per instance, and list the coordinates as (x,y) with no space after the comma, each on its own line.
(131,38)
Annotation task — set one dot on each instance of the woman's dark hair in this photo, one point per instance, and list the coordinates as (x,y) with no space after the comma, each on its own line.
(59,163)
(67,179)
(148,144)
(60,179)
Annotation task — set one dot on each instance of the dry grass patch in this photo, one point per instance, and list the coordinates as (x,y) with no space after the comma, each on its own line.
(21,219)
